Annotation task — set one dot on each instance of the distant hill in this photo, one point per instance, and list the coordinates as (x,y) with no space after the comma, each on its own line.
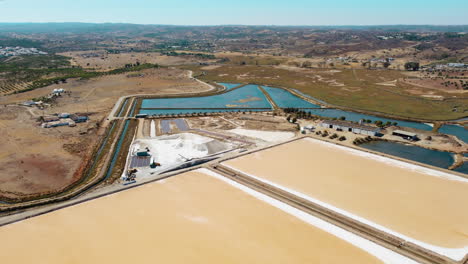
(31,28)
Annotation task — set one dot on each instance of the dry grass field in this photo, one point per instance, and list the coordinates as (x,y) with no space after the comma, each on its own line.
(35,160)
(105,61)
(371,90)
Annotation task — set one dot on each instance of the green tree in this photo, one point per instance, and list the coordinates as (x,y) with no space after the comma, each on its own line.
(412,66)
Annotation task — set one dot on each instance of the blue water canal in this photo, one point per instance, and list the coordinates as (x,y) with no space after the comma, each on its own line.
(117,150)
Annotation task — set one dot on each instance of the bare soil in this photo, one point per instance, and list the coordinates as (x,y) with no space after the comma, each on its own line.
(105,61)
(35,160)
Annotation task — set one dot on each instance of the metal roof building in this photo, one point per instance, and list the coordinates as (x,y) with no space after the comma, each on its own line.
(350,127)
(405,134)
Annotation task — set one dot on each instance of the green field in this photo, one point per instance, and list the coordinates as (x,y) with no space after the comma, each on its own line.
(356,89)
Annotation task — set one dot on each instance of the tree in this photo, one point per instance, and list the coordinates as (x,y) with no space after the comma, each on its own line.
(412,66)
(294,120)
(343,118)
(306,64)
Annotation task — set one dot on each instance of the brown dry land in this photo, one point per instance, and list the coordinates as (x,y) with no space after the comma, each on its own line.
(174,221)
(438,84)
(410,202)
(106,61)
(100,94)
(35,160)
(353,88)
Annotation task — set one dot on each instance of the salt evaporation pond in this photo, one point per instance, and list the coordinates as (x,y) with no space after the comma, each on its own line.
(431,157)
(194,111)
(248,96)
(456,130)
(463,168)
(285,99)
(229,86)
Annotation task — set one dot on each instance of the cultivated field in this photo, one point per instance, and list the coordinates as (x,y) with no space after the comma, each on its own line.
(420,204)
(195,217)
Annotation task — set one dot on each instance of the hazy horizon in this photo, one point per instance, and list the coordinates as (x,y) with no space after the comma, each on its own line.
(217,25)
(242,12)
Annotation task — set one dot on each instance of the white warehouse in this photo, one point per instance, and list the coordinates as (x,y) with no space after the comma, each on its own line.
(350,127)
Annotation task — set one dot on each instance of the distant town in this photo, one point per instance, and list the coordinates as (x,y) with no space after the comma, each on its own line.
(17,51)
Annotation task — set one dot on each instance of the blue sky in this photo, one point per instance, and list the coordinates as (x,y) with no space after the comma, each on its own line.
(247,12)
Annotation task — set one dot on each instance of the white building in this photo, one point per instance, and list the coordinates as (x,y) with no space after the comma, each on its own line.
(350,127)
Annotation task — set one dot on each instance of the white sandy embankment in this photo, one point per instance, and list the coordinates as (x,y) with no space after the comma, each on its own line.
(153,129)
(174,150)
(384,254)
(269,136)
(453,253)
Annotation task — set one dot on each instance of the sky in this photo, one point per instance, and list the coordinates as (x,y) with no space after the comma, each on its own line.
(239,12)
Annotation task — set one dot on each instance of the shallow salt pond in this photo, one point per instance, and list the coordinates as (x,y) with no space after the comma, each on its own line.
(248,96)
(415,203)
(195,217)
(285,99)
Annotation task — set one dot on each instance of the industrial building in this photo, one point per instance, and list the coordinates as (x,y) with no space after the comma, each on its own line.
(350,127)
(406,135)
(63,119)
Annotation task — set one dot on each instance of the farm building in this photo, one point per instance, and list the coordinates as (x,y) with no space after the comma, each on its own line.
(405,135)
(78,118)
(64,115)
(62,122)
(50,118)
(350,127)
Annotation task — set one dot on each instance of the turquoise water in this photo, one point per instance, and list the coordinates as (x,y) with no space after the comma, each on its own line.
(285,99)
(432,157)
(248,96)
(191,111)
(455,130)
(229,86)
(356,117)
